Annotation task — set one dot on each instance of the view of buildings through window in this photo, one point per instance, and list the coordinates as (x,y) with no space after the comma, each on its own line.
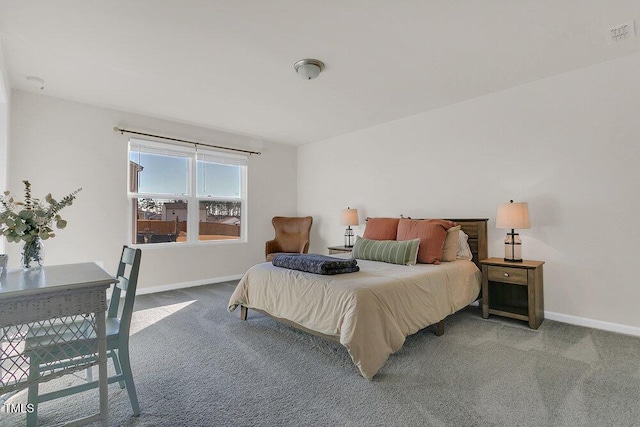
(180,194)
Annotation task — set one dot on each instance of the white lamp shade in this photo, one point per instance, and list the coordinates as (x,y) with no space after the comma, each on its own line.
(349,217)
(513,215)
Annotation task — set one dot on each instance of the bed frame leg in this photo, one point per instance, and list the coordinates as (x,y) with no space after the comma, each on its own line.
(440,328)
(243,312)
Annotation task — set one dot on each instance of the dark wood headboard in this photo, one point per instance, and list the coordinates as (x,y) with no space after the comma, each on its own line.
(476,229)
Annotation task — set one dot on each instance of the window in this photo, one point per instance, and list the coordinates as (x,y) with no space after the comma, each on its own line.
(183,194)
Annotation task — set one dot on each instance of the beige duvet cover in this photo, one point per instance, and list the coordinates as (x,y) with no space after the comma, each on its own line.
(371,311)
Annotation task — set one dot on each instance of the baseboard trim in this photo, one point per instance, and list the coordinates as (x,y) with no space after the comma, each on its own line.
(588,323)
(591,323)
(182,285)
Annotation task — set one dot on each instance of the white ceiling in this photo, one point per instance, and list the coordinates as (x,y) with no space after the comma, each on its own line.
(228,64)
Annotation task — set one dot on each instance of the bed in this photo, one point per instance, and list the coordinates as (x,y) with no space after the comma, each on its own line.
(370,312)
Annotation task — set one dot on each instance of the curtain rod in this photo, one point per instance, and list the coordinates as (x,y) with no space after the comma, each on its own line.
(122,131)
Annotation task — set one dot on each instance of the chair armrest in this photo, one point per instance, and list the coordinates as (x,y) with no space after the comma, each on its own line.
(270,247)
(304,248)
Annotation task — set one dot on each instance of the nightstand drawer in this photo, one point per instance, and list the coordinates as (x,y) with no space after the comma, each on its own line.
(517,276)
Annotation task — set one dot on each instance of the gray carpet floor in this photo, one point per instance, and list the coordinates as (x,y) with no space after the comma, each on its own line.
(195,364)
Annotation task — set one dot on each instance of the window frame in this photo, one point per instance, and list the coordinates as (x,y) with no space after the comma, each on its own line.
(192,199)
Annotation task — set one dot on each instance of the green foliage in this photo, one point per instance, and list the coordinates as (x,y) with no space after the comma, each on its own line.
(31,218)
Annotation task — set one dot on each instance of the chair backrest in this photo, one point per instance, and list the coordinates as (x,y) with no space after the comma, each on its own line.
(127,276)
(292,231)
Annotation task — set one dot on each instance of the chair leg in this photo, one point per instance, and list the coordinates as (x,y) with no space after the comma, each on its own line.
(128,378)
(32,396)
(116,366)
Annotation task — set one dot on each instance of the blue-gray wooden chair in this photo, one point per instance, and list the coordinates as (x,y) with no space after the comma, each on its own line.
(118,327)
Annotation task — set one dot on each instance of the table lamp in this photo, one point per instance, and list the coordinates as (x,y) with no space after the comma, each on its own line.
(349,217)
(513,215)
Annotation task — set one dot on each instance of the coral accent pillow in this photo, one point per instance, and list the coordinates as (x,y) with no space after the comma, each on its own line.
(432,234)
(381,229)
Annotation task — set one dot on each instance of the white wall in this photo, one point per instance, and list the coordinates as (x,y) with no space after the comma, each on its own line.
(61,145)
(568,145)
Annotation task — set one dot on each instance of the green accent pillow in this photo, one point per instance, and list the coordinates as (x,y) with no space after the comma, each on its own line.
(402,252)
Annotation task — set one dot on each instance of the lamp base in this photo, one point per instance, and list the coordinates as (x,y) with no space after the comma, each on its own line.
(348,235)
(513,247)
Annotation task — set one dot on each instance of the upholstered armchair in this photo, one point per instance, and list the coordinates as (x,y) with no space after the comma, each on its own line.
(292,236)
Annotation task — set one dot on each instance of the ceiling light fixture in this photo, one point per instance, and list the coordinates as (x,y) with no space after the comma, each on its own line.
(309,68)
(36,82)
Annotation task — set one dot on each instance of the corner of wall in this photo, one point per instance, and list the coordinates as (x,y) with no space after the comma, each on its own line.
(4,125)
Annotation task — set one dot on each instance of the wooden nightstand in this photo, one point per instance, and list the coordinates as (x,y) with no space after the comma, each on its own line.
(513,289)
(339,250)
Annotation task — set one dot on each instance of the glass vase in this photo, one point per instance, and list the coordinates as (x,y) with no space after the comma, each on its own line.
(32,254)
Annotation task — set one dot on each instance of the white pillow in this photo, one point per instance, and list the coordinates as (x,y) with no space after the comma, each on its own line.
(464,251)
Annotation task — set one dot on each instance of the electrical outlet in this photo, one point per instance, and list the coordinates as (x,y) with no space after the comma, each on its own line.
(621,32)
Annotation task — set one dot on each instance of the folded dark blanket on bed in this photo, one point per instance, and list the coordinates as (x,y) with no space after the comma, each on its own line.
(318,264)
